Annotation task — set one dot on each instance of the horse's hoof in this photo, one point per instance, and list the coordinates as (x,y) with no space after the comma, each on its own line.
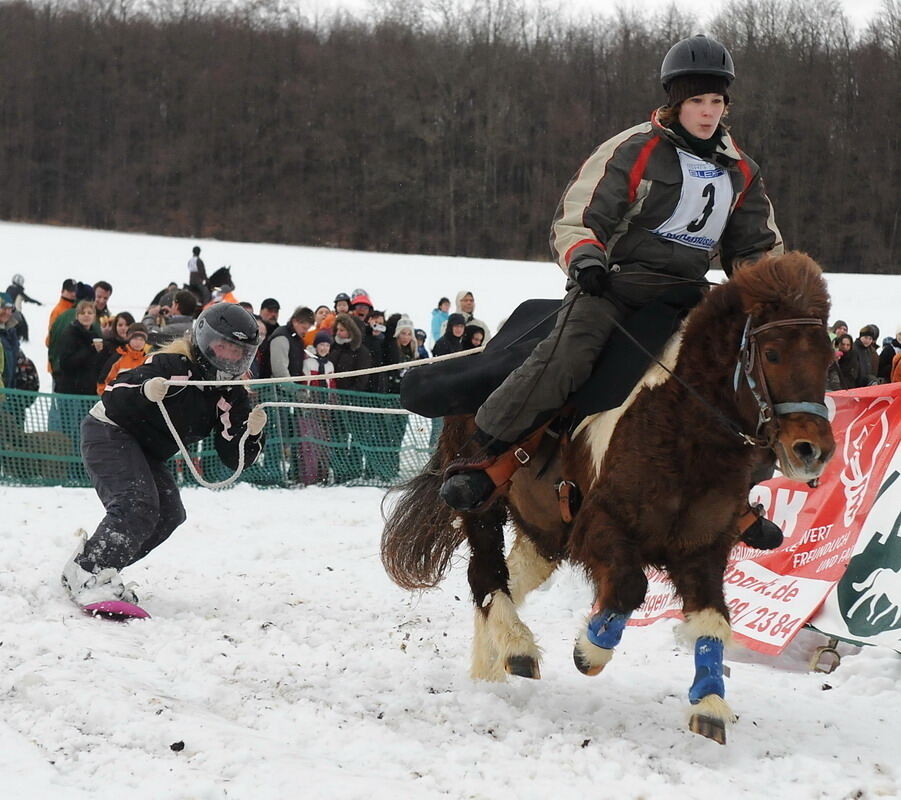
(711,727)
(523,666)
(584,665)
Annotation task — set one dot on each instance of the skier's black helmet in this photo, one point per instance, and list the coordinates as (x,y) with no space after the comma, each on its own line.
(224,339)
(697,55)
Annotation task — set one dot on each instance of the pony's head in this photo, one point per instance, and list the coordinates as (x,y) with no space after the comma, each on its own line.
(784,359)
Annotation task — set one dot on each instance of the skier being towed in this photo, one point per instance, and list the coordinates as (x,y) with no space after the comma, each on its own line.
(125,443)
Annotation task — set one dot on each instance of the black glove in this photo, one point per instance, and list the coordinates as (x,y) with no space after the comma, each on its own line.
(592,276)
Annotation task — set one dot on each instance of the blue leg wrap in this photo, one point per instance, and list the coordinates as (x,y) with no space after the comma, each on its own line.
(708,669)
(606,629)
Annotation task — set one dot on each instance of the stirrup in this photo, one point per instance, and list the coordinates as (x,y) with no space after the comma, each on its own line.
(756,531)
(497,464)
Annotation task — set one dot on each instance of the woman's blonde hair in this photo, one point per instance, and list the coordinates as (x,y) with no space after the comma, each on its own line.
(181,347)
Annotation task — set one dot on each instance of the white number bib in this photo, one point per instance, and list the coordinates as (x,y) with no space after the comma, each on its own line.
(703,208)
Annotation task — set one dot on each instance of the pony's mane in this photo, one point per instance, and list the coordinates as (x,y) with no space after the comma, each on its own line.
(784,286)
(775,287)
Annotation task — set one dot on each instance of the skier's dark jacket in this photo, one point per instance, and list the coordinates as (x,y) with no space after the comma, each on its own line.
(194,410)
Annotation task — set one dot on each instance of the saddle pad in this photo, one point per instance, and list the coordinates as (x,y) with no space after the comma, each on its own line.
(461,386)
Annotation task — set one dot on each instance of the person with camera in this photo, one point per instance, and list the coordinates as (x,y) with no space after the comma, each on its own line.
(165,323)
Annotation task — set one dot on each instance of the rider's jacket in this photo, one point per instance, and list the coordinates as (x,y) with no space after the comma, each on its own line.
(646,205)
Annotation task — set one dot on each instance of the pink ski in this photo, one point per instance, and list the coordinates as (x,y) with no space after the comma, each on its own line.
(117,610)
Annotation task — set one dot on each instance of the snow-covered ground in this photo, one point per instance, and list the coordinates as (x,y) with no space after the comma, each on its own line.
(287,665)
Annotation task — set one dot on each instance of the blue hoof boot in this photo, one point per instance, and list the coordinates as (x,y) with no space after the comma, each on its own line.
(708,669)
(606,628)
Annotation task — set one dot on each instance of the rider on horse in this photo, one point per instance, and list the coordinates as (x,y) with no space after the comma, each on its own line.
(649,209)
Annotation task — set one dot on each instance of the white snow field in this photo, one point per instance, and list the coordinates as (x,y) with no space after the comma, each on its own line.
(281,662)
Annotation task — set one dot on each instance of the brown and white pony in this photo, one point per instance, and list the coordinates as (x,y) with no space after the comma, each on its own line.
(665,478)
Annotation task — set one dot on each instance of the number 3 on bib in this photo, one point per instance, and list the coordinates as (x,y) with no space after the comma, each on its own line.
(701,214)
(698,224)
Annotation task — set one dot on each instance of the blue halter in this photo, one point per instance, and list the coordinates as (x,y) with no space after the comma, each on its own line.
(749,365)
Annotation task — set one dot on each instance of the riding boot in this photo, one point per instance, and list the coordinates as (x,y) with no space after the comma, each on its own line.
(467,486)
(758,532)
(473,484)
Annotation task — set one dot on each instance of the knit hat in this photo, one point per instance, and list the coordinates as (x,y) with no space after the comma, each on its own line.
(84,291)
(867,330)
(455,319)
(684,86)
(136,329)
(839,323)
(322,336)
(402,324)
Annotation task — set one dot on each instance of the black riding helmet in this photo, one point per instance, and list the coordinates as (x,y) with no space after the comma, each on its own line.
(224,341)
(697,55)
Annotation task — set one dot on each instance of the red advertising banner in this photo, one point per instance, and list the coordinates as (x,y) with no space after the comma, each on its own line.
(771,595)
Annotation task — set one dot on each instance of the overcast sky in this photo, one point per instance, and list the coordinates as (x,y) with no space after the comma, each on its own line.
(858,11)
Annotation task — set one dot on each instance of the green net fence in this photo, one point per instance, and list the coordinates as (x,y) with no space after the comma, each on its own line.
(39,441)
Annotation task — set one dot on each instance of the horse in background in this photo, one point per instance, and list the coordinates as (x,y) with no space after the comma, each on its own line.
(665,480)
(219,284)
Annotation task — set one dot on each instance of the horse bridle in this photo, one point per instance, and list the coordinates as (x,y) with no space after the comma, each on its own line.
(750,366)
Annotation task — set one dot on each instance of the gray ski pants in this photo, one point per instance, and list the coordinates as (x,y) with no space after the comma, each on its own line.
(139,494)
(556,368)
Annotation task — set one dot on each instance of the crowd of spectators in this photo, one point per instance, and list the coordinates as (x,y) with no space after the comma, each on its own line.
(860,362)
(89,346)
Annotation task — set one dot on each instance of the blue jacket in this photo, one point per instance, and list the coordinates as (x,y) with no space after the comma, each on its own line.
(439,317)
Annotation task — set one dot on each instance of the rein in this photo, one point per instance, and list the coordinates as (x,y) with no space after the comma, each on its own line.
(749,365)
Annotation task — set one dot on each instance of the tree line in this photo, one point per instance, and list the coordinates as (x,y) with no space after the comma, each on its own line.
(449,128)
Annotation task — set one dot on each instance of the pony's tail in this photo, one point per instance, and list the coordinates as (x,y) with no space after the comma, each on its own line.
(421,531)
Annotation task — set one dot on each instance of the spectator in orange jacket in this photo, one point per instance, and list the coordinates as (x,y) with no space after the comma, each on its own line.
(323,320)
(66,301)
(126,357)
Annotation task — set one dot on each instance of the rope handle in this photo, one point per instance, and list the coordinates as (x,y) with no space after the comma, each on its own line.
(183,449)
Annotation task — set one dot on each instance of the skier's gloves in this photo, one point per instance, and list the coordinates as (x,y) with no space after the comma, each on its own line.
(155,389)
(256,421)
(591,275)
